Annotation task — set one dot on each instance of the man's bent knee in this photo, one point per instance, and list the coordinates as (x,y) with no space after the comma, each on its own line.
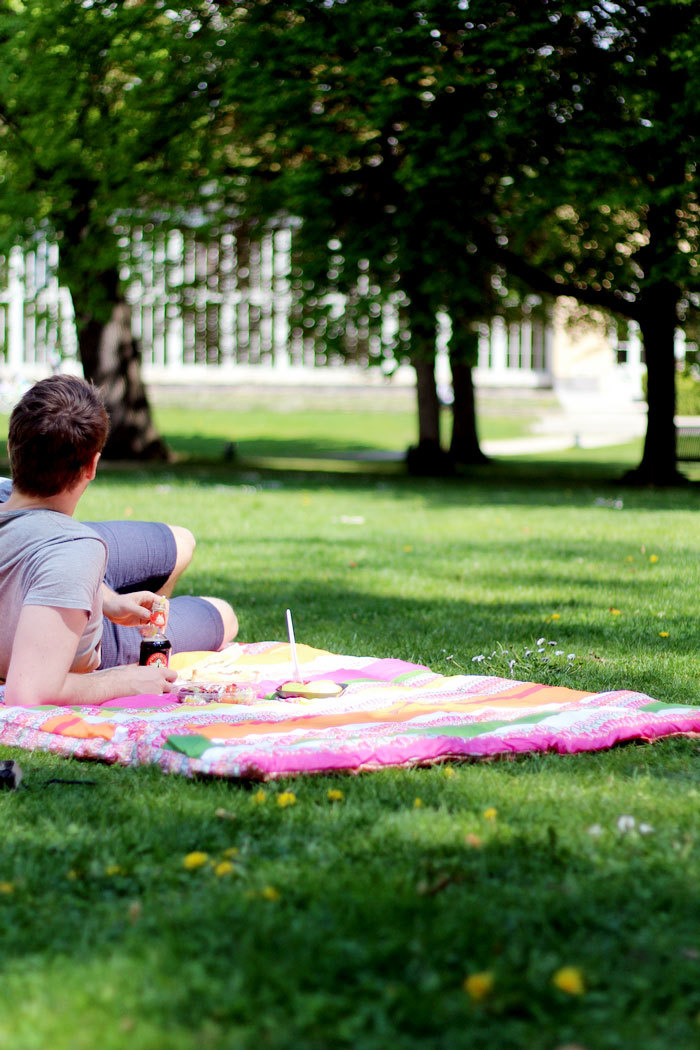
(185,544)
(228,618)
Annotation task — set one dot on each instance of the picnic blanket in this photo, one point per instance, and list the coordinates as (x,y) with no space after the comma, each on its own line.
(390,713)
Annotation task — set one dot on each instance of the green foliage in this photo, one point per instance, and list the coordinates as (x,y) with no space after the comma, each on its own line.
(420,125)
(374,111)
(104,120)
(446,140)
(687,394)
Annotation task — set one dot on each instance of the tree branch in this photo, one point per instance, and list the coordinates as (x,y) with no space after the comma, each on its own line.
(485,239)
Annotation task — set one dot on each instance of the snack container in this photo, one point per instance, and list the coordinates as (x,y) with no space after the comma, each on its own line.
(215,693)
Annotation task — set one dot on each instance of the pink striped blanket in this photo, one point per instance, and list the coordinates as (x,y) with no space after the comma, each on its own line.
(389,713)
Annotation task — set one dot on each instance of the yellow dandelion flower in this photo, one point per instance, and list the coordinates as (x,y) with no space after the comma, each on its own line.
(663,634)
(271,894)
(232,851)
(224,867)
(259,796)
(72,874)
(614,612)
(334,795)
(417,803)
(113,869)
(7,887)
(653,558)
(629,558)
(448,771)
(491,813)
(555,616)
(479,985)
(286,798)
(196,859)
(408,548)
(569,979)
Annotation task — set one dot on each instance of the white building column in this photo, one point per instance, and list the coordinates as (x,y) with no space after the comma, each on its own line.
(15,312)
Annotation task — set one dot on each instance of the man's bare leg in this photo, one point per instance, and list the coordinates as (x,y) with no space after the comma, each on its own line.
(185,544)
(229,618)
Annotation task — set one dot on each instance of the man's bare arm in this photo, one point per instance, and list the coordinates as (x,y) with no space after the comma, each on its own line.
(43,650)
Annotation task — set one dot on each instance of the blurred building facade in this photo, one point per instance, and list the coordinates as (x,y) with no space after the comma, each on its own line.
(230,311)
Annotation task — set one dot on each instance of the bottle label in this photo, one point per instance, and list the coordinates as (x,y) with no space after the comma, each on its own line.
(157,660)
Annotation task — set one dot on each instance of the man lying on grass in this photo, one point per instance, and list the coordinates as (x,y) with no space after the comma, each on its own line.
(72,595)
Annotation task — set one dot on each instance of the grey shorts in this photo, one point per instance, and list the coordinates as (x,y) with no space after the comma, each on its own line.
(141,558)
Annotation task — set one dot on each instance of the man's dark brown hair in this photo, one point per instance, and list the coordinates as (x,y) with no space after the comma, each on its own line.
(55,430)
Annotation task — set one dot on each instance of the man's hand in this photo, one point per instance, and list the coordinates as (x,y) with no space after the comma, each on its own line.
(129,610)
(132,680)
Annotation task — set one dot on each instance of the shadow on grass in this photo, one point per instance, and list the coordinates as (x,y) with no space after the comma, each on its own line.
(380,909)
(574,481)
(203,448)
(566,477)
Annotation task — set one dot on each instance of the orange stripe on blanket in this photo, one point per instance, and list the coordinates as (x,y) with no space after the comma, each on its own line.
(67,725)
(397,713)
(524,694)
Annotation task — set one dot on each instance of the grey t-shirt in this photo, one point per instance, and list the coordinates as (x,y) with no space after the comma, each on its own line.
(48,558)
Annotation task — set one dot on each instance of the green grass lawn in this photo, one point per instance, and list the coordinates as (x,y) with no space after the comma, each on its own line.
(323,430)
(354,923)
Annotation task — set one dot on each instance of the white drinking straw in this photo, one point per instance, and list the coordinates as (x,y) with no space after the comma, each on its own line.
(293,646)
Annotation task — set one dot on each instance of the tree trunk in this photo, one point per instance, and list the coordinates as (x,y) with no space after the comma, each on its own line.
(657,322)
(427,457)
(108,351)
(428,403)
(111,360)
(464,445)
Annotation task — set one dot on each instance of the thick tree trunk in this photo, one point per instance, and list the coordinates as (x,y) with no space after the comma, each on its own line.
(658,321)
(464,445)
(111,360)
(427,457)
(428,403)
(108,351)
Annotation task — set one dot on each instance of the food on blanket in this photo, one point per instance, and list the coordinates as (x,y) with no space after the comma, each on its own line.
(215,693)
(223,677)
(217,671)
(155,647)
(318,690)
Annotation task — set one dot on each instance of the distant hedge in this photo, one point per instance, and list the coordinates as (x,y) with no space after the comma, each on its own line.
(687,393)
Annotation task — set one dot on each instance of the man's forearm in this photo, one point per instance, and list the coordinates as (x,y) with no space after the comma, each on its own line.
(95,687)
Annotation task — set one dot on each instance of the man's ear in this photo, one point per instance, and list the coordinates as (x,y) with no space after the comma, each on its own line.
(91,468)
